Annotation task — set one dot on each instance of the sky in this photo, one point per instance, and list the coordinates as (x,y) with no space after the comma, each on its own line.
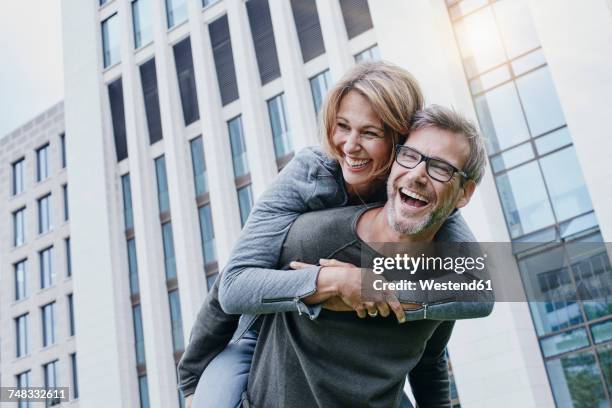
(31,65)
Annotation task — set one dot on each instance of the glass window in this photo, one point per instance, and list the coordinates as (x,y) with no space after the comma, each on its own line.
(224,60)
(262,34)
(239,156)
(111,41)
(163,198)
(65,194)
(177,321)
(127,201)
(465,7)
(564,342)
(200,177)
(280,130)
(138,335)
(490,79)
(143,390)
(23,382)
(75,377)
(319,85)
(68,257)
(115,98)
(44,214)
(186,81)
(19,227)
(605,361)
(356,15)
(245,202)
(540,101)
(565,184)
(308,28)
(370,54)
(208,2)
(516,27)
(207,233)
(552,141)
(22,340)
(133,266)
(602,331)
(526,210)
(168,241)
(527,62)
(47,274)
(148,79)
(575,381)
(48,322)
(42,163)
(546,276)
(17,179)
(176,11)
(21,282)
(70,315)
(479,42)
(512,157)
(50,372)
(501,118)
(63,147)
(142,20)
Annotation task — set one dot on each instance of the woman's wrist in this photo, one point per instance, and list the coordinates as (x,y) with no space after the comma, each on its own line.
(327,286)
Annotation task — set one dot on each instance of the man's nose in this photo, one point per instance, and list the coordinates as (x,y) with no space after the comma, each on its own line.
(419,173)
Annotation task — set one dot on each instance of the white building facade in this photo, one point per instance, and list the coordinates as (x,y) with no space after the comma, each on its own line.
(38,337)
(181,112)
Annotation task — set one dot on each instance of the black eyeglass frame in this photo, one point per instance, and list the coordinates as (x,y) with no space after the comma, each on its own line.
(428,160)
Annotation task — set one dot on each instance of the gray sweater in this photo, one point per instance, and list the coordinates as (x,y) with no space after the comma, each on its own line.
(340,360)
(310,182)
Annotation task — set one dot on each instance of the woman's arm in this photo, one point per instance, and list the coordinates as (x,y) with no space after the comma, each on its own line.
(211,332)
(251,283)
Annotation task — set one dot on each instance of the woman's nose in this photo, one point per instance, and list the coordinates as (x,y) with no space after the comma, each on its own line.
(351,144)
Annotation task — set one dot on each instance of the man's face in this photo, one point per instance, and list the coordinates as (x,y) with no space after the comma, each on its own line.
(416,202)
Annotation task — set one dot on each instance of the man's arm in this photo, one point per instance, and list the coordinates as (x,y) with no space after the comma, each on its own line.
(211,332)
(429,379)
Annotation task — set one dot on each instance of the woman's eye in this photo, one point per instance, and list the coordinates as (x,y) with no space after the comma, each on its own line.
(371,134)
(342,125)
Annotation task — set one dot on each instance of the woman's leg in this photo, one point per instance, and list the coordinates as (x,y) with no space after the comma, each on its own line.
(225,378)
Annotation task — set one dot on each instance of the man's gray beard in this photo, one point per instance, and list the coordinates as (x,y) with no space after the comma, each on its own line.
(412,228)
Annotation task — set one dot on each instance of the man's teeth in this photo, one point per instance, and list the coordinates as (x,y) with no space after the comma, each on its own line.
(412,194)
(355,162)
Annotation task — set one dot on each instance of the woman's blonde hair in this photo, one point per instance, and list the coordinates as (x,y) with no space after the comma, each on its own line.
(392,91)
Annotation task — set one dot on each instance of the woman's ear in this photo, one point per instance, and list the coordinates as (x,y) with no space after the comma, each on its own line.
(465,193)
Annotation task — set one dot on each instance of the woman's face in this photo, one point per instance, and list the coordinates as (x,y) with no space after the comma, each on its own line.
(359,135)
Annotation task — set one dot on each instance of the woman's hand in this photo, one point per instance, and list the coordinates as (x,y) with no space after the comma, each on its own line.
(344,280)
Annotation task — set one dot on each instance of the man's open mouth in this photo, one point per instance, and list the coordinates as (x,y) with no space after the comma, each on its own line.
(412,199)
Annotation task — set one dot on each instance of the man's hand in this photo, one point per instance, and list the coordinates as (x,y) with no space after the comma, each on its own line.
(349,290)
(188,401)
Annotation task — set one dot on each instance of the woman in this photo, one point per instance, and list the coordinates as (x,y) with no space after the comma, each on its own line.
(365,114)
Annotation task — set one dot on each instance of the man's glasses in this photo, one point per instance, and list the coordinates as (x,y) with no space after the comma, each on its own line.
(437,169)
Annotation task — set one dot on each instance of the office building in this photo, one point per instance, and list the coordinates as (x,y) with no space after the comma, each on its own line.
(185,110)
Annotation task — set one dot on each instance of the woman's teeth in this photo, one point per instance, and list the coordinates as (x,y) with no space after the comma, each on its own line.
(356,163)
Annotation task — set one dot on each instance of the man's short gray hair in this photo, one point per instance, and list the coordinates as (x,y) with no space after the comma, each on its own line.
(439,117)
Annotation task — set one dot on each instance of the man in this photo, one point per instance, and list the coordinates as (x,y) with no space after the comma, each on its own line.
(340,360)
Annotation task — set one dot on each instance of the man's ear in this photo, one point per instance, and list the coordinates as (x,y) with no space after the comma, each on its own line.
(465,193)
